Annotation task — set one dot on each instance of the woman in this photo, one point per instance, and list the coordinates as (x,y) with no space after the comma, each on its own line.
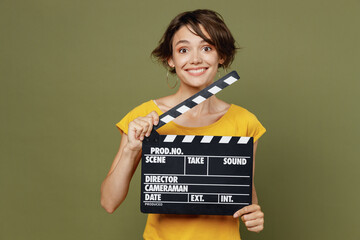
(193,47)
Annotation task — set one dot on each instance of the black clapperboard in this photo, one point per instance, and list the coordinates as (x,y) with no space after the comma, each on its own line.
(186,174)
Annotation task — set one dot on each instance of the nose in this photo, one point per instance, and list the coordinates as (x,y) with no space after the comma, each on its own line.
(196,58)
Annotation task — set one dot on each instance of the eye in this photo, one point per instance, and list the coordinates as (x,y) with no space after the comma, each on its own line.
(183,50)
(207,48)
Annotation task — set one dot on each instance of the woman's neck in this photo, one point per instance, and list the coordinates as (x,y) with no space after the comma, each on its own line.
(211,105)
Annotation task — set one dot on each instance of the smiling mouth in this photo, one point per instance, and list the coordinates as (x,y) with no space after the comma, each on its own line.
(196,71)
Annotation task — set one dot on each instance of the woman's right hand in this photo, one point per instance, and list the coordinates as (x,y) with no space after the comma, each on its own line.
(139,128)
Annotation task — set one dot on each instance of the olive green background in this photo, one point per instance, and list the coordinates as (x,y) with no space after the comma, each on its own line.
(71,69)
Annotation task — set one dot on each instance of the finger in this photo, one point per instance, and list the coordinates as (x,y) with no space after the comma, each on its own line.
(145,125)
(247,209)
(252,216)
(134,131)
(148,125)
(155,117)
(137,128)
(254,223)
(257,229)
(150,120)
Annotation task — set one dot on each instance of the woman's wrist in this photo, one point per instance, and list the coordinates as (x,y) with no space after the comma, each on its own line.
(130,152)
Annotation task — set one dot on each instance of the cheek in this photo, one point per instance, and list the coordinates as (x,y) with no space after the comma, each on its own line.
(180,60)
(213,59)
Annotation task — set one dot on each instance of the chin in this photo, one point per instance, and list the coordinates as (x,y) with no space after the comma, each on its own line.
(198,84)
(199,81)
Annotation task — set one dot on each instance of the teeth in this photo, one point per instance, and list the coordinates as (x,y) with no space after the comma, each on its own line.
(197,70)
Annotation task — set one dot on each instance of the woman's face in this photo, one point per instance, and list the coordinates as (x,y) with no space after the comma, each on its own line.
(195,60)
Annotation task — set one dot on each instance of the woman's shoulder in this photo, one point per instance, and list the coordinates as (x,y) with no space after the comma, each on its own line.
(146,105)
(244,119)
(145,108)
(139,111)
(242,112)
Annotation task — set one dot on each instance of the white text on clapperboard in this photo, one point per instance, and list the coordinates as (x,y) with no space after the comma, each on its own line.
(159,185)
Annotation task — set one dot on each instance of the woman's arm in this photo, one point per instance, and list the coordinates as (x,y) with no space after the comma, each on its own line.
(251,215)
(116,184)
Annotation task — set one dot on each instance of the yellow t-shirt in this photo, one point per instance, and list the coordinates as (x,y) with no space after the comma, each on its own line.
(237,121)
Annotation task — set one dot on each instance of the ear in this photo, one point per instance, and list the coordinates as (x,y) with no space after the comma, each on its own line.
(221,61)
(171,62)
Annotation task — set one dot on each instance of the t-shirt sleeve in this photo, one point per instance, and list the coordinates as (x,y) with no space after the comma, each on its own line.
(255,128)
(123,125)
(139,111)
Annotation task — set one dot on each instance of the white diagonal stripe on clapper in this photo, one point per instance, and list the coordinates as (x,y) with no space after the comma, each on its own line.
(199,99)
(169,138)
(183,109)
(214,90)
(206,139)
(167,119)
(230,80)
(243,140)
(188,139)
(225,139)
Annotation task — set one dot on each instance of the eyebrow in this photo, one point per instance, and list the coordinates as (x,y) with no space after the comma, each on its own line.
(186,41)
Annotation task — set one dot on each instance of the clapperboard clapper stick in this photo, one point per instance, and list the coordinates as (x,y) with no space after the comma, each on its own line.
(187,174)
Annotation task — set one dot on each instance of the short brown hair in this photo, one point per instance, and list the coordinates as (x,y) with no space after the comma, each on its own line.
(213,23)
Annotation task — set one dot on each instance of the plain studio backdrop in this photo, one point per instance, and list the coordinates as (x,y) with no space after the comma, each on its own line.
(70,70)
